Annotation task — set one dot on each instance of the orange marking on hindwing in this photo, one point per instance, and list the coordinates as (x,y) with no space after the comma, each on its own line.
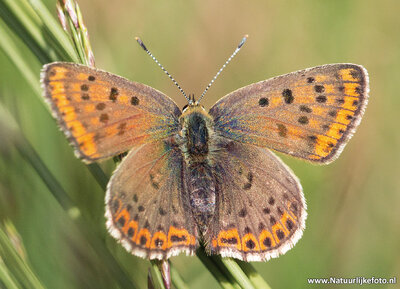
(143,238)
(229,238)
(178,237)
(134,226)
(122,214)
(278,230)
(288,205)
(117,211)
(126,225)
(159,241)
(250,243)
(284,221)
(264,242)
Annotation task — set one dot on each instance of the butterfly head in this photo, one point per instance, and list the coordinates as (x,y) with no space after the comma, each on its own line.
(192,107)
(191,103)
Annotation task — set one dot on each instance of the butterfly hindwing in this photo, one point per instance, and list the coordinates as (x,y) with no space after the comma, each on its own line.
(310,114)
(146,209)
(103,114)
(260,208)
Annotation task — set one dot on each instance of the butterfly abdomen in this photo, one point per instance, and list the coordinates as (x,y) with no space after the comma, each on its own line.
(201,193)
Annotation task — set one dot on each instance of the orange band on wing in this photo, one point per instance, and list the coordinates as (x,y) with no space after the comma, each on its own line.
(178,237)
(279,232)
(143,238)
(229,238)
(159,241)
(267,240)
(250,243)
(347,74)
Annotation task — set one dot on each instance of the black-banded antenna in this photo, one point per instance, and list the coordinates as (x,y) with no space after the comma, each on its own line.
(162,67)
(223,66)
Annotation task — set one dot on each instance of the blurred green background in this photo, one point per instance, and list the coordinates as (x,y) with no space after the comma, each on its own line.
(353,225)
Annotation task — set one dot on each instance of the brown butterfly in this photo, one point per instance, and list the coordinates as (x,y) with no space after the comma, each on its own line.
(195,176)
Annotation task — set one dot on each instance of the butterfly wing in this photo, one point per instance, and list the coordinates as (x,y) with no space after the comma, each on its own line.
(103,114)
(260,207)
(146,208)
(310,114)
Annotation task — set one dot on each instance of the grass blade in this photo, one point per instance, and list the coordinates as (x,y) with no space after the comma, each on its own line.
(5,277)
(223,279)
(15,264)
(177,280)
(254,276)
(56,34)
(156,276)
(11,50)
(237,273)
(27,30)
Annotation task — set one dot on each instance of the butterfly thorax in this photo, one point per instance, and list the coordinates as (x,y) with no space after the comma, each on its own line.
(197,128)
(197,136)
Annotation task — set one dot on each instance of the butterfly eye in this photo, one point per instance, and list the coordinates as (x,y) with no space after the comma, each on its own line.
(185,106)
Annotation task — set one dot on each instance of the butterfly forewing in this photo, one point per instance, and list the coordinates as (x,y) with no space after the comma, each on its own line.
(103,114)
(310,114)
(260,208)
(147,209)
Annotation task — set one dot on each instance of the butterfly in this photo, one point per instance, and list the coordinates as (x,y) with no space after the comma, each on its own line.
(194,176)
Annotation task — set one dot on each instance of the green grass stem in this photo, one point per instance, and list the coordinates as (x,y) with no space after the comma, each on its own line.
(13,267)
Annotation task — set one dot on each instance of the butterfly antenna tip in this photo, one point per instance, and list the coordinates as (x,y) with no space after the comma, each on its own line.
(223,66)
(141,43)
